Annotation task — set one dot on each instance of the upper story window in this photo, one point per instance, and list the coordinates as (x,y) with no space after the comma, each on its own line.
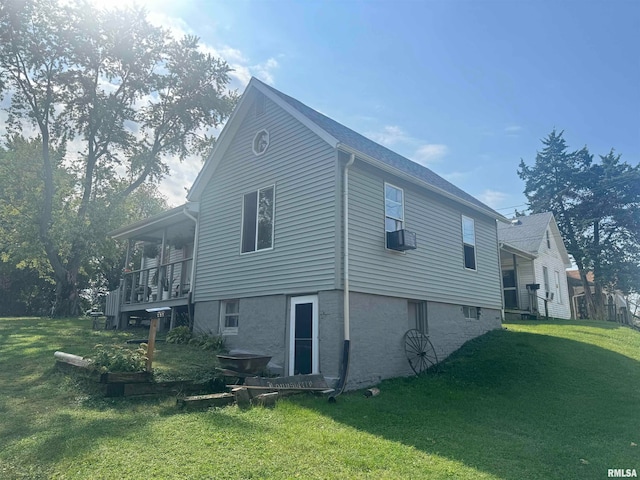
(257,220)
(548,240)
(393,208)
(469,242)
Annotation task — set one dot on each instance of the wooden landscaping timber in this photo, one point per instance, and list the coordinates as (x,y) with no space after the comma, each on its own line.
(203,401)
(242,396)
(72,359)
(299,383)
(126,377)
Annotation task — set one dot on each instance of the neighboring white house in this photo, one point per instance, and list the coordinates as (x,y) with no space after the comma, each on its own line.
(312,240)
(534,260)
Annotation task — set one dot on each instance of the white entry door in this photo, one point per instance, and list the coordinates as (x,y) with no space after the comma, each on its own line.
(303,344)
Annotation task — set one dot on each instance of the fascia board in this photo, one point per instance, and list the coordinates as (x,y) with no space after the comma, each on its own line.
(306,121)
(521,253)
(130,231)
(222,143)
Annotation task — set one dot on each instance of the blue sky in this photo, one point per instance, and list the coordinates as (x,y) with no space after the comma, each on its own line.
(466,88)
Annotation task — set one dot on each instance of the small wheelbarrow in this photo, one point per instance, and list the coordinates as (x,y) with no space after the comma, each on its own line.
(243,365)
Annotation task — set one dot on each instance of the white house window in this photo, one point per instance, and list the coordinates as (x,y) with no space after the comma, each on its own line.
(257,220)
(469,242)
(260,142)
(393,208)
(558,291)
(229,316)
(471,313)
(548,240)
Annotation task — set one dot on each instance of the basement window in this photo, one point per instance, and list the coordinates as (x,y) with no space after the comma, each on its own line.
(471,313)
(229,316)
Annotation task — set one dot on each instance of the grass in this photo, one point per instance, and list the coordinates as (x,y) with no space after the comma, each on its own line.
(535,401)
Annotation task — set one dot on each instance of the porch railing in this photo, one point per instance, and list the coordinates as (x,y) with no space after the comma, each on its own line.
(155,284)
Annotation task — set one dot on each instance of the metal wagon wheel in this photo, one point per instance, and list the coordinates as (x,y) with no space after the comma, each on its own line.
(420,352)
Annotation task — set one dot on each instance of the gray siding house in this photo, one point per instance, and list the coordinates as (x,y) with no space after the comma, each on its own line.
(309,234)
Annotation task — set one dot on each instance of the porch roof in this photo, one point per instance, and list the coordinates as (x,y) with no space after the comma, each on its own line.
(174,222)
(516,251)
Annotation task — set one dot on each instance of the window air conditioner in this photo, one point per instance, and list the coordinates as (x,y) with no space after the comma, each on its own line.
(401,240)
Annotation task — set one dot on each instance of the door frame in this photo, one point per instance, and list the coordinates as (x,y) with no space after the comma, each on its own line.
(315,357)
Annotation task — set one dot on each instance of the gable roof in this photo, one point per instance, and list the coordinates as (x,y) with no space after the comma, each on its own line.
(343,138)
(527,234)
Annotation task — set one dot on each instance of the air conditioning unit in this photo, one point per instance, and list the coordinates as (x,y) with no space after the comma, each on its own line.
(401,240)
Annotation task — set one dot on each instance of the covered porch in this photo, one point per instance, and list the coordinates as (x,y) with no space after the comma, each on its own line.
(159,268)
(518,283)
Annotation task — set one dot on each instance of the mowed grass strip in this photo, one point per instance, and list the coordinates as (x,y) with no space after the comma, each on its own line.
(534,401)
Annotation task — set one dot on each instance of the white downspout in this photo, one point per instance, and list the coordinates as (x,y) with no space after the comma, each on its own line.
(346,348)
(345,205)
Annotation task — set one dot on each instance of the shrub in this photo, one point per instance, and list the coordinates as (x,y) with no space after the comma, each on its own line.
(116,358)
(209,342)
(179,335)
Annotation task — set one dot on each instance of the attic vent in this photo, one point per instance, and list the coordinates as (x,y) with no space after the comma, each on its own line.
(260,105)
(515,221)
(260,142)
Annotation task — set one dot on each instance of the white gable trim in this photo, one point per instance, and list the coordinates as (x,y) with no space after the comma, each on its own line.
(557,237)
(306,121)
(233,124)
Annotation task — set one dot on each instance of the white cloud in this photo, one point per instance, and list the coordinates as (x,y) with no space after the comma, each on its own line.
(423,153)
(493,198)
(430,153)
(513,130)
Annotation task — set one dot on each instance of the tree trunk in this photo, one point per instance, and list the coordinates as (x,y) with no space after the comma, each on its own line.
(67,302)
(588,296)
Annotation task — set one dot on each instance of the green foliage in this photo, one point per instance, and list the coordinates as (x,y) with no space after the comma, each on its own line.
(117,358)
(204,341)
(129,96)
(179,335)
(597,208)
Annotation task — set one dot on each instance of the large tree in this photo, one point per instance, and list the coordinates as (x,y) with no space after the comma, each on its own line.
(115,93)
(597,207)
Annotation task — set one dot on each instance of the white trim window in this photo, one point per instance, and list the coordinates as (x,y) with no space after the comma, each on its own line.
(471,313)
(393,208)
(257,220)
(229,316)
(469,243)
(545,280)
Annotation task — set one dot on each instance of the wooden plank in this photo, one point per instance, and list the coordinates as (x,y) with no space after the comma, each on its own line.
(126,377)
(314,382)
(241,394)
(204,401)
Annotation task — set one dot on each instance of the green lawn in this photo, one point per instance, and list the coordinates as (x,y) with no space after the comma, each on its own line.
(535,401)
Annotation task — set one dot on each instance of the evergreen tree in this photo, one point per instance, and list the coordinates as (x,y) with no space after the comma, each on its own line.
(597,207)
